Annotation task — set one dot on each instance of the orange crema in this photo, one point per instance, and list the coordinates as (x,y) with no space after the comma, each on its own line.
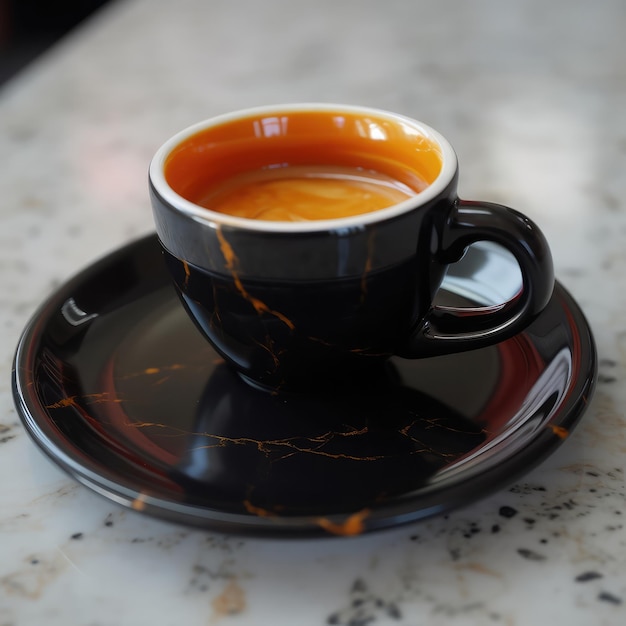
(302,193)
(262,166)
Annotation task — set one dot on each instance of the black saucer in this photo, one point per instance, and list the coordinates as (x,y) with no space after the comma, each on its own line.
(117,386)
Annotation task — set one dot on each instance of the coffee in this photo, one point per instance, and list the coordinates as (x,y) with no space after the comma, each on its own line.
(303,166)
(303,193)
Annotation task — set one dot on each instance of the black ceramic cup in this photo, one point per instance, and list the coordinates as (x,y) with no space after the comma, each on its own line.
(292,305)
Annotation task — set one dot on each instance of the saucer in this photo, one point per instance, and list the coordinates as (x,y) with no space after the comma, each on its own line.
(116,385)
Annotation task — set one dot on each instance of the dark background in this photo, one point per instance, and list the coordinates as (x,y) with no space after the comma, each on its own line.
(29,27)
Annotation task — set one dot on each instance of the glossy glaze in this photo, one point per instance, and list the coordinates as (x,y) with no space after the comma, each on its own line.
(115,384)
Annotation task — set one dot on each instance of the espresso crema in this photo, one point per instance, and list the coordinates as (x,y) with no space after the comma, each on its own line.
(304,193)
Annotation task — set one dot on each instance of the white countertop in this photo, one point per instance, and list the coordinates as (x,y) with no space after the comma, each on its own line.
(533,97)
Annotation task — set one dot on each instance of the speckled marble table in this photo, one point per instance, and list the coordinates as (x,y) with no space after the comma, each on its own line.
(532,95)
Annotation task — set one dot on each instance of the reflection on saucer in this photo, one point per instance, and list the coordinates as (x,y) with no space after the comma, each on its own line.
(307,454)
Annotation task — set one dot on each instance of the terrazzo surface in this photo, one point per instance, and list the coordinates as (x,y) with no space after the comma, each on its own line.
(532,98)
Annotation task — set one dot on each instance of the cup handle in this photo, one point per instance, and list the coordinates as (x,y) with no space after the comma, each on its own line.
(450,329)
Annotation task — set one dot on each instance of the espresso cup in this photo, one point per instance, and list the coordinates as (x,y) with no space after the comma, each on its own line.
(307,242)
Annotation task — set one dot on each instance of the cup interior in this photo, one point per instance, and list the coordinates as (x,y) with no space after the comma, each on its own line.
(211,153)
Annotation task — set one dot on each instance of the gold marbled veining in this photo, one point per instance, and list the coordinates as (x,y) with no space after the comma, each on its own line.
(352,525)
(559,431)
(231,265)
(282,448)
(187,274)
(92,398)
(139,503)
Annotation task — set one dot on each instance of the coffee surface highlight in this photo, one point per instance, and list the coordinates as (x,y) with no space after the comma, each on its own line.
(304,193)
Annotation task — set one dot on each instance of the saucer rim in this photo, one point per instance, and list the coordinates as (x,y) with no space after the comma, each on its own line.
(469,489)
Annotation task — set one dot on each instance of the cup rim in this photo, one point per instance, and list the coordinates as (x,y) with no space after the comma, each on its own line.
(211,218)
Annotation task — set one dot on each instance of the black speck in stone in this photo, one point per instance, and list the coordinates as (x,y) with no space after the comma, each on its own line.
(608,362)
(77,536)
(587,576)
(602,378)
(543,541)
(495,529)
(333,619)
(109,520)
(508,512)
(393,611)
(529,520)
(590,473)
(609,597)
(34,561)
(531,555)
(473,530)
